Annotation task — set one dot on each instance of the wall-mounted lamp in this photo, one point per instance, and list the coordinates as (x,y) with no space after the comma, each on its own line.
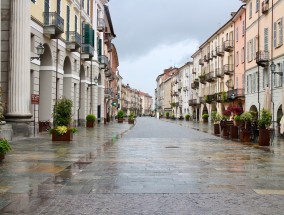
(96,81)
(273,68)
(39,52)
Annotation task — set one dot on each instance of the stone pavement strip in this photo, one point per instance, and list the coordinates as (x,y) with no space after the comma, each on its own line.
(161,167)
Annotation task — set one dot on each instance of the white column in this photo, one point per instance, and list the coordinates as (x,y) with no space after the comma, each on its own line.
(19,80)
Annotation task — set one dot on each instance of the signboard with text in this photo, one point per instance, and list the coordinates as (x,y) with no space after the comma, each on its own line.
(35,99)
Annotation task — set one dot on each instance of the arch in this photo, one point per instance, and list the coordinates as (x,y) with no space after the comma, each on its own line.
(205,110)
(279,113)
(67,81)
(254,110)
(67,68)
(82,73)
(213,107)
(46,58)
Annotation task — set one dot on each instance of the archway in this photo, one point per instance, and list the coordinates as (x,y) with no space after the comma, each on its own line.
(100,107)
(82,97)
(279,114)
(67,81)
(254,111)
(45,87)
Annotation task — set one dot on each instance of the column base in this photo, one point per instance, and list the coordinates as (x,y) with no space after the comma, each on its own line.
(22,127)
(6,131)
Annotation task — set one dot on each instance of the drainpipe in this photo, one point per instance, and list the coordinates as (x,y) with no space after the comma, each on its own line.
(271,75)
(258,71)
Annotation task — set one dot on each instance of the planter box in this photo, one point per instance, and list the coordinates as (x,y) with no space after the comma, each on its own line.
(217,129)
(65,137)
(245,135)
(264,137)
(130,121)
(90,124)
(234,131)
(120,120)
(2,157)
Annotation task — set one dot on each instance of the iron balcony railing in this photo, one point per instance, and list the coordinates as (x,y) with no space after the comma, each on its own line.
(235,93)
(228,45)
(73,37)
(201,61)
(192,102)
(210,77)
(101,24)
(202,79)
(88,49)
(262,58)
(53,19)
(228,69)
(219,73)
(219,51)
(108,92)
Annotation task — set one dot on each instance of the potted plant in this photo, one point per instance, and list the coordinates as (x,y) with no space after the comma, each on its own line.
(237,120)
(90,118)
(216,118)
(62,117)
(167,115)
(245,132)
(181,118)
(5,147)
(264,122)
(173,117)
(120,116)
(131,118)
(205,117)
(187,116)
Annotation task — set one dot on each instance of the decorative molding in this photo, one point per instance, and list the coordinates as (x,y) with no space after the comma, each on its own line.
(36,26)
(71,76)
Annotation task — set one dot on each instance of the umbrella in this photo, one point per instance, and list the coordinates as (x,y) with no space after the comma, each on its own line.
(267,99)
(282,118)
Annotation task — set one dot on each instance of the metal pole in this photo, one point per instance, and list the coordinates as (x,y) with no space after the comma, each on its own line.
(34,121)
(272,73)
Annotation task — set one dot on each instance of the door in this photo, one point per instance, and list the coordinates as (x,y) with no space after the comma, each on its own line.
(99,114)
(68,23)
(46,12)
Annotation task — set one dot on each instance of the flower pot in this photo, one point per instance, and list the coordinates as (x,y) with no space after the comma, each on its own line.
(205,120)
(68,136)
(234,131)
(2,156)
(264,137)
(216,129)
(186,119)
(226,131)
(130,121)
(120,120)
(90,124)
(245,135)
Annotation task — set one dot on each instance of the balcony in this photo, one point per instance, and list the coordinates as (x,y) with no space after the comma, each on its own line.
(193,86)
(265,6)
(101,25)
(206,59)
(202,79)
(219,97)
(228,45)
(108,93)
(201,62)
(210,77)
(209,56)
(108,74)
(192,102)
(73,41)
(213,53)
(220,51)
(219,73)
(53,24)
(201,100)
(228,69)
(87,51)
(185,88)
(235,94)
(103,60)
(262,58)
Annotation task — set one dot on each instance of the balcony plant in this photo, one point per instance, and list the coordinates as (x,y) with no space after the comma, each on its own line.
(245,131)
(5,147)
(205,117)
(120,116)
(62,117)
(264,122)
(90,118)
(187,116)
(131,118)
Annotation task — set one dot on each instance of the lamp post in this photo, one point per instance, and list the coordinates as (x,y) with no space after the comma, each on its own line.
(39,52)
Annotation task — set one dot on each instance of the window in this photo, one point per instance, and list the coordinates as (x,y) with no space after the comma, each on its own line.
(237,58)
(76,23)
(256,6)
(244,28)
(266,80)
(82,3)
(237,34)
(266,39)
(88,7)
(277,79)
(278,33)
(58,7)
(250,9)
(250,50)
(243,55)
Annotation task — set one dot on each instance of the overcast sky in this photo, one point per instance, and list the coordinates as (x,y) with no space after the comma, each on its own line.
(153,35)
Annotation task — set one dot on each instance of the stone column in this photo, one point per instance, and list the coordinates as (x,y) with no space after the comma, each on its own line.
(19,80)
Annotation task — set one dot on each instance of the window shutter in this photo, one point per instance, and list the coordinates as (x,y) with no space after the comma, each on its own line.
(68,22)
(93,37)
(281,32)
(254,48)
(247,51)
(265,39)
(87,34)
(275,34)
(76,20)
(58,7)
(99,47)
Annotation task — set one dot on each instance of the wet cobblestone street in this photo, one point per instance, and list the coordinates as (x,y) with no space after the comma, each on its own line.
(157,167)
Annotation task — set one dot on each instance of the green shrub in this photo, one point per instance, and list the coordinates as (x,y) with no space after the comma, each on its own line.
(91,118)
(4,146)
(237,118)
(131,116)
(265,119)
(120,114)
(167,115)
(187,116)
(246,116)
(63,112)
(205,116)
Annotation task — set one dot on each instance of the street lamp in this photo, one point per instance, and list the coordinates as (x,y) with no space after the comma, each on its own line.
(96,81)
(39,51)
